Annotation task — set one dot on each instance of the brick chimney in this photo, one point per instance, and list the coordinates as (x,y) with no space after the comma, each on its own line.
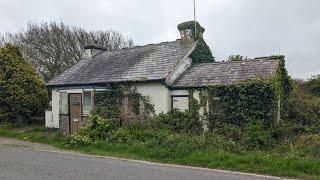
(91,50)
(189,33)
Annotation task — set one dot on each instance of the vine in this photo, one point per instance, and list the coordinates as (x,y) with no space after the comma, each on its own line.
(202,52)
(119,100)
(255,99)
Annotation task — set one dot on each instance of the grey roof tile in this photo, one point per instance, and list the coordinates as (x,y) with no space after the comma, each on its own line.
(140,63)
(222,73)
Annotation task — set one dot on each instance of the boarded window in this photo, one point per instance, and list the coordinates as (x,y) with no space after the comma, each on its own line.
(63,103)
(180,102)
(87,105)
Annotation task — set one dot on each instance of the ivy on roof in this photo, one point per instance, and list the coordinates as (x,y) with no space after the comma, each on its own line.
(202,52)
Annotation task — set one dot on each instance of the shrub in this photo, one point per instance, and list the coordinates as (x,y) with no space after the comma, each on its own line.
(304,107)
(22,92)
(98,127)
(230,131)
(178,121)
(256,136)
(79,140)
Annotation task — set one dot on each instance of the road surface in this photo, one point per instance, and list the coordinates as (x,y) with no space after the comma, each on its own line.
(31,161)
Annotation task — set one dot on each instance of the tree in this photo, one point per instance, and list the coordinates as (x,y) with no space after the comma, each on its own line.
(313,84)
(236,57)
(53,47)
(22,92)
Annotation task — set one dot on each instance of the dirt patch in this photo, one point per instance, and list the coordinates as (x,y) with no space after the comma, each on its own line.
(9,142)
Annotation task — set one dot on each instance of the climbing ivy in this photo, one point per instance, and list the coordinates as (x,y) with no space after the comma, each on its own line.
(119,100)
(252,100)
(202,52)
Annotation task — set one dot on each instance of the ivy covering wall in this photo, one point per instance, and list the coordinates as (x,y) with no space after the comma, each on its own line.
(122,103)
(259,99)
(202,52)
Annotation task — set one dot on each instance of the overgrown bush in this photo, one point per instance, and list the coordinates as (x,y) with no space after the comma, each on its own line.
(304,106)
(178,121)
(256,136)
(98,127)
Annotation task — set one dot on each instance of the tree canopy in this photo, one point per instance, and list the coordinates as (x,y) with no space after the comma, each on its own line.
(22,91)
(53,47)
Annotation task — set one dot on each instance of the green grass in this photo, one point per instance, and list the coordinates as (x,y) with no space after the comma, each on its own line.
(270,163)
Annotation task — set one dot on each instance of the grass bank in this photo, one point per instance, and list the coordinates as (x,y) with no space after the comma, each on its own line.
(278,163)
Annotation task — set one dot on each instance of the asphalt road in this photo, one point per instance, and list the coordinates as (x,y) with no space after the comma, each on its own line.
(21,162)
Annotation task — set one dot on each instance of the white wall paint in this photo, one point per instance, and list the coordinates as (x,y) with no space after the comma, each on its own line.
(159,95)
(49,121)
(55,108)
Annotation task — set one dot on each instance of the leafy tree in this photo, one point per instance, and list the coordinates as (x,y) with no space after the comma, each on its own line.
(53,47)
(313,85)
(22,92)
(236,57)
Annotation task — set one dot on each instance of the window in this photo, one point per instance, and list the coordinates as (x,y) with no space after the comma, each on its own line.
(180,102)
(87,105)
(63,103)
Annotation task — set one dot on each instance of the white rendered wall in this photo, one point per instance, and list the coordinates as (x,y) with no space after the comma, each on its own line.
(55,109)
(158,94)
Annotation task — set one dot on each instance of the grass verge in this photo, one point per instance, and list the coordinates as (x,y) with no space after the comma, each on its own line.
(269,163)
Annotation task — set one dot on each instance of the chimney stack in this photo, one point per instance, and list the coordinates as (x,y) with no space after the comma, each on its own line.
(190,31)
(91,50)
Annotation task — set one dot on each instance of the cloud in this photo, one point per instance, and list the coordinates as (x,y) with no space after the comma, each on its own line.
(248,27)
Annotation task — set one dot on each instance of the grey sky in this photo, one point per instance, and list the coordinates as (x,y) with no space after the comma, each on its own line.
(248,27)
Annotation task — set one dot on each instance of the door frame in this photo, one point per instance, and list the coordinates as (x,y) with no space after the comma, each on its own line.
(69,109)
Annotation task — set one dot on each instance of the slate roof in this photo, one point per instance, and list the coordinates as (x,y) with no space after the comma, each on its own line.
(223,73)
(140,63)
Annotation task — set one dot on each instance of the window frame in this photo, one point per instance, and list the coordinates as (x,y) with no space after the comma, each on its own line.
(83,102)
(66,111)
(173,96)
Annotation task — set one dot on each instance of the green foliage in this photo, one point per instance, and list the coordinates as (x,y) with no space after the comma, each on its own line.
(78,140)
(236,57)
(22,92)
(179,121)
(230,131)
(256,135)
(294,157)
(254,99)
(283,85)
(112,102)
(109,102)
(313,85)
(98,127)
(202,52)
(304,106)
(192,25)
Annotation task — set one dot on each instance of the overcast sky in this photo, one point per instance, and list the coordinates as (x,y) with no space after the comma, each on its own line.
(251,28)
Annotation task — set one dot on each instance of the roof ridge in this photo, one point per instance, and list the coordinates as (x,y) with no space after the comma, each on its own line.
(245,60)
(150,44)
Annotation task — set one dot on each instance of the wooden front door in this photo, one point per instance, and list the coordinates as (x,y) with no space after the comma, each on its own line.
(75,112)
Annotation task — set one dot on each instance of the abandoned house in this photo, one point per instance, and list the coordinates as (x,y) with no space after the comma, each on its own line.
(163,72)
